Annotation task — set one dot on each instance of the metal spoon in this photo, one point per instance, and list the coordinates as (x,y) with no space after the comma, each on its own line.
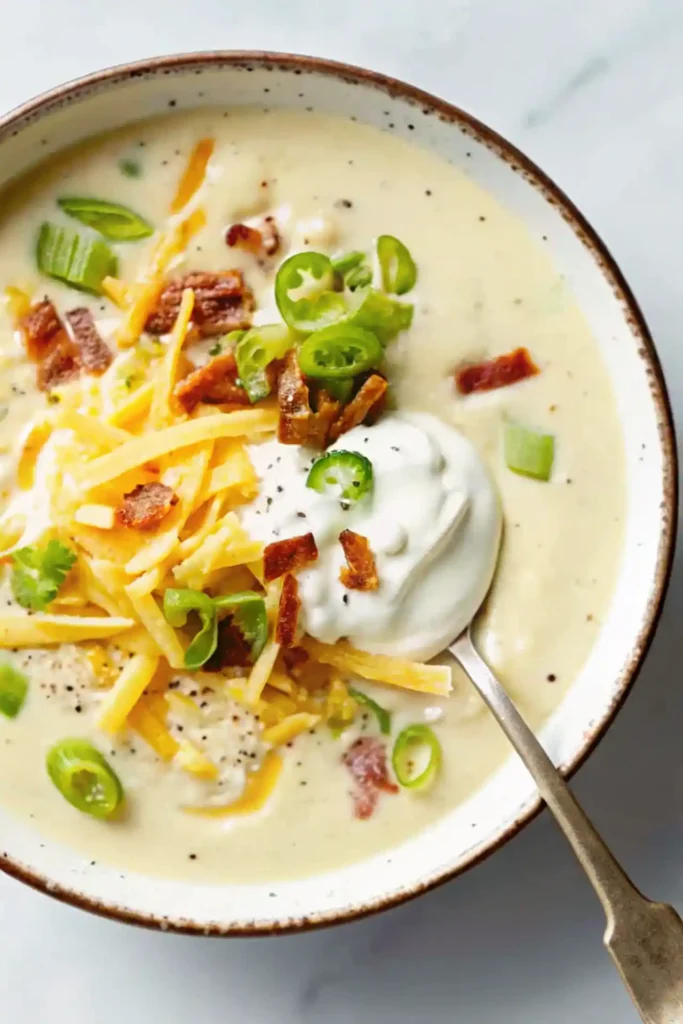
(644,939)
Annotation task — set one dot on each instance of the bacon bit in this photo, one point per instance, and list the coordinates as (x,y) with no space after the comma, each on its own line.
(214,383)
(271,236)
(95,356)
(145,506)
(293,399)
(369,398)
(362,571)
(366,760)
(298,424)
(496,373)
(40,327)
(222,303)
(321,421)
(288,612)
(232,651)
(259,242)
(241,236)
(60,365)
(288,555)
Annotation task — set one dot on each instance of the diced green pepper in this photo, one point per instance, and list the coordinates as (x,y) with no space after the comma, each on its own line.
(13,690)
(177,606)
(382,315)
(77,260)
(254,352)
(529,452)
(248,611)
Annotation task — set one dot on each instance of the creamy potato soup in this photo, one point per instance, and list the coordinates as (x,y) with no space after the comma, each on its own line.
(279,393)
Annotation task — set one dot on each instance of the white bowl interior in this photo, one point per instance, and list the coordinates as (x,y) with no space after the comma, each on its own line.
(510,794)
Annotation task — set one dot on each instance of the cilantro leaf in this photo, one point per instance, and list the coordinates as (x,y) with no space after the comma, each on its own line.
(38,573)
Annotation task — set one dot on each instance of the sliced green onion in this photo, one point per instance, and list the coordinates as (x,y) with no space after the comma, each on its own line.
(341,474)
(359,277)
(75,259)
(84,778)
(347,261)
(304,293)
(13,690)
(416,757)
(177,606)
(382,315)
(528,452)
(381,714)
(254,352)
(397,266)
(339,352)
(248,611)
(114,221)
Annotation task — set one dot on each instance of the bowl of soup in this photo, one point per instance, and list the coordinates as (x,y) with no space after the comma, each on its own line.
(298,363)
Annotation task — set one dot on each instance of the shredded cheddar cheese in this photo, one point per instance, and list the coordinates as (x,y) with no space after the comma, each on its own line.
(126,691)
(260,784)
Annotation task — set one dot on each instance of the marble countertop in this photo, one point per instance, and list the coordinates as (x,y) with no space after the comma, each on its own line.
(593,91)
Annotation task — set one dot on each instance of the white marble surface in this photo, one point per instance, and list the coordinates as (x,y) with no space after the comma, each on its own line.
(593,90)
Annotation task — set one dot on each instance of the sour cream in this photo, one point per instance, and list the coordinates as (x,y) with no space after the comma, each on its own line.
(433,522)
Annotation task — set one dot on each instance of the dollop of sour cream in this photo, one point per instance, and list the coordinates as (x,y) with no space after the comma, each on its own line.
(432,520)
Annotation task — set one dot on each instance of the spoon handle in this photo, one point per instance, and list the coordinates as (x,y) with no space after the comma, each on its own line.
(645,939)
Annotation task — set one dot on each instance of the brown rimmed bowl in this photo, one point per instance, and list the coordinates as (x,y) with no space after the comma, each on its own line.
(112,98)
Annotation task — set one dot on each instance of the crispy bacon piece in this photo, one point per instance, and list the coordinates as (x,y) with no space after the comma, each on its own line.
(288,555)
(321,420)
(241,236)
(496,373)
(264,241)
(298,424)
(222,303)
(293,399)
(48,344)
(288,612)
(368,399)
(145,506)
(95,356)
(40,328)
(233,651)
(366,760)
(60,365)
(214,383)
(362,571)
(271,236)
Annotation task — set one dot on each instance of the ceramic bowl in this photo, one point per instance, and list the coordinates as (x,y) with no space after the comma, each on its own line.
(114,97)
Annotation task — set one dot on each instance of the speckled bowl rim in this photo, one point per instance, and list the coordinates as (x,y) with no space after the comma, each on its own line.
(32,110)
